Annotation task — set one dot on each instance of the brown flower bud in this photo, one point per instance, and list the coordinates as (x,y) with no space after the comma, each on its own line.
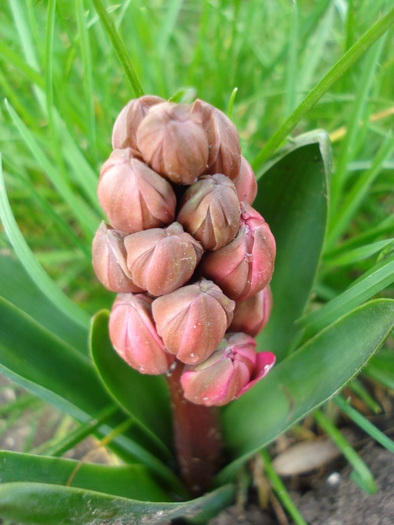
(192,320)
(161,261)
(244,266)
(132,195)
(228,159)
(245,183)
(173,142)
(206,112)
(251,315)
(124,134)
(134,336)
(210,211)
(109,260)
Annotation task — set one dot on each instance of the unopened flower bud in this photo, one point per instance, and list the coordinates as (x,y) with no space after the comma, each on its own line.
(232,369)
(210,211)
(162,260)
(133,196)
(109,260)
(134,336)
(206,112)
(173,142)
(251,315)
(245,266)
(228,159)
(124,134)
(192,320)
(245,183)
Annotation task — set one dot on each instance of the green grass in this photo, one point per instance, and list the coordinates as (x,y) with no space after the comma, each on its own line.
(278,67)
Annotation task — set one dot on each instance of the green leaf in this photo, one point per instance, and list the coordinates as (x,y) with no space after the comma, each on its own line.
(39,361)
(17,287)
(129,481)
(41,504)
(372,282)
(144,397)
(305,380)
(292,198)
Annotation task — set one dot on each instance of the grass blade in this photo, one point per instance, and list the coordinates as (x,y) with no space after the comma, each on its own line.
(363,423)
(34,269)
(376,279)
(292,59)
(87,76)
(348,451)
(84,215)
(119,47)
(281,491)
(348,59)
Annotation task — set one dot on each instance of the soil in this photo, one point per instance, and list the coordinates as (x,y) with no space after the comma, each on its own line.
(331,498)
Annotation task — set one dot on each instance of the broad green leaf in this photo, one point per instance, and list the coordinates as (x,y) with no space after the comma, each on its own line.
(39,361)
(128,481)
(299,384)
(41,504)
(17,287)
(372,282)
(144,397)
(292,198)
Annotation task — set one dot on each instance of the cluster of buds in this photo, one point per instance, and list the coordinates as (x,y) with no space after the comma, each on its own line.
(188,256)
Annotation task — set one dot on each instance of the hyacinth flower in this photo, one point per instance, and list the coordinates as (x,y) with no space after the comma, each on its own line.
(132,195)
(210,211)
(109,260)
(134,337)
(162,260)
(244,266)
(251,315)
(232,369)
(193,320)
(191,293)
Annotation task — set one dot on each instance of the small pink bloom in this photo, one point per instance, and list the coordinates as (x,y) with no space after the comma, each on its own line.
(210,211)
(245,182)
(245,266)
(109,260)
(251,315)
(162,260)
(192,320)
(232,369)
(124,134)
(134,336)
(173,142)
(133,196)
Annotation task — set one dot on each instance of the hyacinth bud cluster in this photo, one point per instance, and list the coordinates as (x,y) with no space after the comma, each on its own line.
(188,256)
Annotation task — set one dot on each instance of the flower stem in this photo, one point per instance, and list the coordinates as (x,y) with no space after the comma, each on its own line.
(197,438)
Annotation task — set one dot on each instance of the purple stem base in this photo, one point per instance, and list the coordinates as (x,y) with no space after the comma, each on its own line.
(197,438)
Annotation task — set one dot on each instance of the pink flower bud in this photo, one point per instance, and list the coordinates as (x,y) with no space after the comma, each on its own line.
(206,112)
(132,195)
(134,337)
(228,159)
(173,142)
(161,261)
(232,369)
(210,211)
(124,134)
(192,320)
(245,182)
(251,315)
(245,266)
(109,260)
